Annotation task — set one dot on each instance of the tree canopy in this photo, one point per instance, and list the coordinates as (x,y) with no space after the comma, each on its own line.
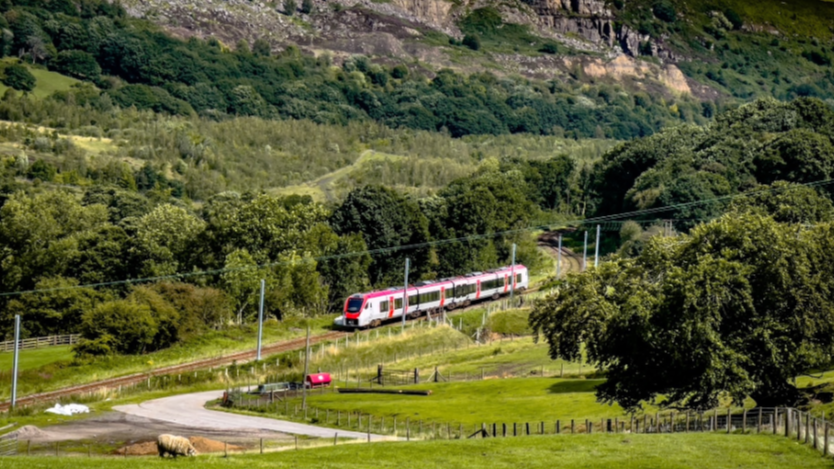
(741,306)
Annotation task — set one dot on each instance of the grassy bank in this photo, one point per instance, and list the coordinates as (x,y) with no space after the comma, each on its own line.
(35,358)
(68,372)
(714,451)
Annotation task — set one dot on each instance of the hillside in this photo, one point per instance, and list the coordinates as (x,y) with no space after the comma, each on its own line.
(725,49)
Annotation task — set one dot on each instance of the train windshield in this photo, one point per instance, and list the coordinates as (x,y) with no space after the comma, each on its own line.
(354,305)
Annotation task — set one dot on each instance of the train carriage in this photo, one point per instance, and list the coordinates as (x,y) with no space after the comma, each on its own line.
(431,297)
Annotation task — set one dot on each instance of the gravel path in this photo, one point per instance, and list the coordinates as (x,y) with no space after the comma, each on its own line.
(188,409)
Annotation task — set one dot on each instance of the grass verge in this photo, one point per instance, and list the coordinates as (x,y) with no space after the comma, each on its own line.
(681,451)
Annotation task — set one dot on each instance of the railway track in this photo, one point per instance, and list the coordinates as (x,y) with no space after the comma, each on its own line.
(243,356)
(571,261)
(191,366)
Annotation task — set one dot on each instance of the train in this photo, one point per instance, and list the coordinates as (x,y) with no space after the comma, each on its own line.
(431,297)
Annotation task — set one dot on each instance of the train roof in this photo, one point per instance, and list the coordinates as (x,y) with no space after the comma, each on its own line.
(430,283)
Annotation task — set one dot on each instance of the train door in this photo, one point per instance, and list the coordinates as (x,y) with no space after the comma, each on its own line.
(442,296)
(506,283)
(391,307)
(478,290)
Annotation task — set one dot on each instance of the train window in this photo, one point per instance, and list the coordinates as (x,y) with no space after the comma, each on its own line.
(383,306)
(414,300)
(449,292)
(518,278)
(398,303)
(354,305)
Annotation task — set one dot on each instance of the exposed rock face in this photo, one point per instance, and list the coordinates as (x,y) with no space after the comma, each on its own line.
(589,19)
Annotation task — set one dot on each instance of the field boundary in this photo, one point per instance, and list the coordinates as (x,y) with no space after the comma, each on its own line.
(38,342)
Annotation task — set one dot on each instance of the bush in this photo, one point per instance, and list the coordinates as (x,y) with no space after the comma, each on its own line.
(43,171)
(549,48)
(399,72)
(307,7)
(78,64)
(665,11)
(734,18)
(119,326)
(472,41)
(289,7)
(18,77)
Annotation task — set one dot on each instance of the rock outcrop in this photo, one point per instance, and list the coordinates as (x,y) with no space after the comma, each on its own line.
(588,19)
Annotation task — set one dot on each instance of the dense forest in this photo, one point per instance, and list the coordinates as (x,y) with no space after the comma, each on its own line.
(135,64)
(56,235)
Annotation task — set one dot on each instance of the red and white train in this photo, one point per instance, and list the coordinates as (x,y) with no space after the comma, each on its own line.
(431,297)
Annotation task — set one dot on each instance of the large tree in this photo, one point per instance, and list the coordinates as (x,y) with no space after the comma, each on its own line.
(740,306)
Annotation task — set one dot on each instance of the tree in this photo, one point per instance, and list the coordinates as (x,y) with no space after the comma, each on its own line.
(307,6)
(787,203)
(78,64)
(261,48)
(386,219)
(163,238)
(56,310)
(472,41)
(739,306)
(117,327)
(665,11)
(241,280)
(289,7)
(20,78)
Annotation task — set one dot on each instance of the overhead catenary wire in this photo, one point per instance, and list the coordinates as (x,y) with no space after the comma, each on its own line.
(533,226)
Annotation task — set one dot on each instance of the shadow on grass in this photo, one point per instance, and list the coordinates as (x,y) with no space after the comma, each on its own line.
(578,385)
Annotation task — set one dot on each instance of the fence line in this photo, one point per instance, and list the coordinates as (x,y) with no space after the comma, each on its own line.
(37,342)
(8,445)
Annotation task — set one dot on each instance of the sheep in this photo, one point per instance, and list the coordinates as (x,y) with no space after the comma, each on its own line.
(174,445)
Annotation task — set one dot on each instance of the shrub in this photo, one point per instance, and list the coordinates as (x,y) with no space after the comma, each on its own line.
(43,171)
(472,41)
(307,7)
(119,326)
(18,77)
(399,72)
(549,48)
(78,64)
(734,18)
(289,7)
(665,11)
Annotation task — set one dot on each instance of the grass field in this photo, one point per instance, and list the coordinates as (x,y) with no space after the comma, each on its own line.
(489,401)
(47,82)
(690,451)
(35,358)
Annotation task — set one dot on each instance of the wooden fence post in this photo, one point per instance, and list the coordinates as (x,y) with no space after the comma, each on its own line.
(504,430)
(759,422)
(262,446)
(729,420)
(645,420)
(788,421)
(814,428)
(572,426)
(744,421)
(807,428)
(671,422)
(687,422)
(631,425)
(825,450)
(558,427)
(775,420)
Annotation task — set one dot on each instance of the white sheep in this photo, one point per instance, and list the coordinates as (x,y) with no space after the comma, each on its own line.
(174,445)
